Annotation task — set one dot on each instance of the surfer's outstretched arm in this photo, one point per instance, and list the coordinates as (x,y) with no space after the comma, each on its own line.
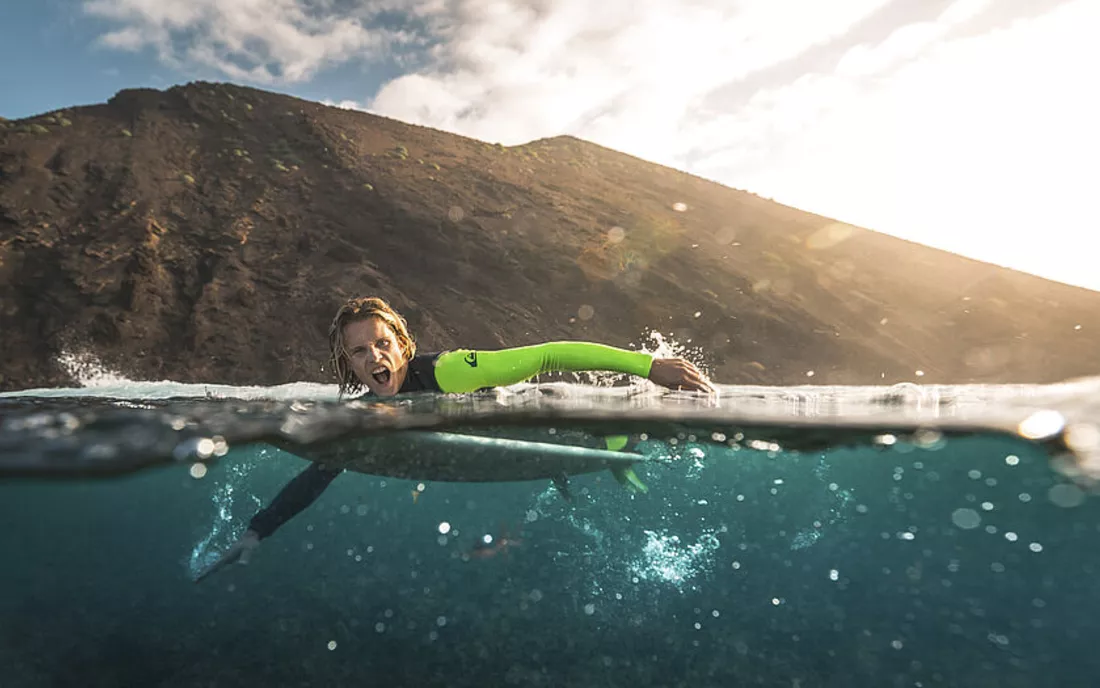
(465,370)
(299,493)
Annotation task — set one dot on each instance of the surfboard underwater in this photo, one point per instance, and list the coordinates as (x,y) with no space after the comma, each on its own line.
(463,457)
(85,436)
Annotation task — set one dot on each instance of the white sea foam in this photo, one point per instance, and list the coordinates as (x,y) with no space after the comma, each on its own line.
(88,371)
(97,380)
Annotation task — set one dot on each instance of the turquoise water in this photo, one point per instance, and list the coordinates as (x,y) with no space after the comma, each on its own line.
(900,536)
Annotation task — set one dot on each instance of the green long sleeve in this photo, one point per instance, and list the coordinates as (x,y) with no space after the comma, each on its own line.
(464,370)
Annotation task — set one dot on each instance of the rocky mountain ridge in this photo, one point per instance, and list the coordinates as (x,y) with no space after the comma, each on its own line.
(208,232)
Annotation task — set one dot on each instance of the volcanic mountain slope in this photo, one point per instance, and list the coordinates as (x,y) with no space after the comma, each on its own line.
(208,232)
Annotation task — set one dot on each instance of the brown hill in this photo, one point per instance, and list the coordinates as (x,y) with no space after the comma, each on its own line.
(207,233)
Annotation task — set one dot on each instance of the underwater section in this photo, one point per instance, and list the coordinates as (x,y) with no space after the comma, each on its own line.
(966,562)
(812,551)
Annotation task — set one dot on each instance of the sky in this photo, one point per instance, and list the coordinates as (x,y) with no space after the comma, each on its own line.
(968,125)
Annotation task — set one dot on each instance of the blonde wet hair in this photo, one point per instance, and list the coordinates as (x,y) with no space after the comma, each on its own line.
(354,310)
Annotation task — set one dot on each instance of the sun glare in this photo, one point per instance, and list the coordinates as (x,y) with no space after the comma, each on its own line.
(985,146)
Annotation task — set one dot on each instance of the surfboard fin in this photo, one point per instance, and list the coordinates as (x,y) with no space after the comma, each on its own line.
(629,479)
(625,475)
(616,442)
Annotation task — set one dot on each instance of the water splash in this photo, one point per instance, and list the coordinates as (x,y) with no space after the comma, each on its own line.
(839,500)
(97,381)
(88,371)
(666,559)
(664,346)
(224,529)
(806,538)
(656,344)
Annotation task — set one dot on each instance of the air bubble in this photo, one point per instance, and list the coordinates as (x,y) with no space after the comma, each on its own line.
(1066,496)
(967,519)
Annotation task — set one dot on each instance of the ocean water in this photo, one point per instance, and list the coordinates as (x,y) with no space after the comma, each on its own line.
(801,536)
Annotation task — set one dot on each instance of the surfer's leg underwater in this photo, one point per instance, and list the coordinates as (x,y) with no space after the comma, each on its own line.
(561,482)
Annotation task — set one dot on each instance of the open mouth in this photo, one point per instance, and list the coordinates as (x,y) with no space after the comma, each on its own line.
(381,375)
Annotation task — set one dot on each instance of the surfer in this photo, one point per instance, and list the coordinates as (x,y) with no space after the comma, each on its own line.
(373,353)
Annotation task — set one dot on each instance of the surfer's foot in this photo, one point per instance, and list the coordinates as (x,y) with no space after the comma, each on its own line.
(561,482)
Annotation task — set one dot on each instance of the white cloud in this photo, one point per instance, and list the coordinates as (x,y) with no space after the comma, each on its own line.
(964,10)
(344,104)
(738,141)
(618,72)
(502,69)
(263,41)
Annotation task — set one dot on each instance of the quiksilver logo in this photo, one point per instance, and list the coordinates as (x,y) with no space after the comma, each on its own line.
(471,359)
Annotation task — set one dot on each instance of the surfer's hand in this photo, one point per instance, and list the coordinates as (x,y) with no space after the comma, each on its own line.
(677,373)
(240,552)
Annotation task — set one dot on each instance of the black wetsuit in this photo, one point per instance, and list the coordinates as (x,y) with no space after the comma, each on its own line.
(308,485)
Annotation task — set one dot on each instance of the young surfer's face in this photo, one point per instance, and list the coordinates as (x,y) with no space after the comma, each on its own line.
(376,357)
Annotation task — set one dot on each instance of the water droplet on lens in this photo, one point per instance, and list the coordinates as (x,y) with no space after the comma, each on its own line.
(1042,424)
